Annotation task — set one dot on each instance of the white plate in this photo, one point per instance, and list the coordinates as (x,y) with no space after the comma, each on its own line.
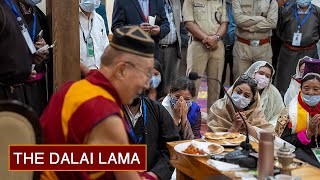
(227,144)
(201,145)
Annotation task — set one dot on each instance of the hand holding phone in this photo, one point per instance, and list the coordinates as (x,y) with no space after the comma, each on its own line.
(146,26)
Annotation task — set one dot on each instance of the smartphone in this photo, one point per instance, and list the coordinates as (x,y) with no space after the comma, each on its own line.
(40,35)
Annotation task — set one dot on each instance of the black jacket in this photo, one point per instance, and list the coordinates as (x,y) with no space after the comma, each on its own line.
(159,130)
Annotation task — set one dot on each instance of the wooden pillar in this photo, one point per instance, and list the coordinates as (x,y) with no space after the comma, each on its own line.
(63,16)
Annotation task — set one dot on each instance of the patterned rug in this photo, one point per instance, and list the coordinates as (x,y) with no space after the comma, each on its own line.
(202,102)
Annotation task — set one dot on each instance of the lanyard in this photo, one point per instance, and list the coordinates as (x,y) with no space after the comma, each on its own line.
(137,140)
(14,9)
(304,19)
(33,34)
(83,35)
(16,13)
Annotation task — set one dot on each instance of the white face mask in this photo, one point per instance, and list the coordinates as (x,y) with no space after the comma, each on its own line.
(263,81)
(88,5)
(33,2)
(311,100)
(240,101)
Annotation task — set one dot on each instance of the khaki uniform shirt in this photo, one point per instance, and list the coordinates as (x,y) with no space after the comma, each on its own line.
(255,19)
(207,14)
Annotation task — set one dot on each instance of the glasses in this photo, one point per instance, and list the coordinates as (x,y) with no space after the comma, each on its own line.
(248,79)
(149,75)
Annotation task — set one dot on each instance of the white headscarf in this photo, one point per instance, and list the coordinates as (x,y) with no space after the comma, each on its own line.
(270,99)
(294,87)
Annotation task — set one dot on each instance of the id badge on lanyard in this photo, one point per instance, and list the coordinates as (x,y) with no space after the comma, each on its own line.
(90,47)
(24,29)
(296,40)
(26,36)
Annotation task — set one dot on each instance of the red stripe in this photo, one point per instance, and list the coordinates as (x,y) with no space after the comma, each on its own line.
(51,118)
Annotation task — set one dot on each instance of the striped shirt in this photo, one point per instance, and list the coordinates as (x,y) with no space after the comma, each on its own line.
(171,37)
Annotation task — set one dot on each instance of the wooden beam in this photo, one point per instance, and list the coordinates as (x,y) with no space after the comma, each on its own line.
(63,18)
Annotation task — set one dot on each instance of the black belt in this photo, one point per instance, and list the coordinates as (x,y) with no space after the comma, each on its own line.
(163,46)
(228,47)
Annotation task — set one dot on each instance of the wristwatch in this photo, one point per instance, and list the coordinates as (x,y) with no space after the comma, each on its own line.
(219,38)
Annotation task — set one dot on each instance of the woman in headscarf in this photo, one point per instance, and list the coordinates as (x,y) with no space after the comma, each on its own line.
(185,113)
(224,118)
(295,83)
(270,98)
(299,123)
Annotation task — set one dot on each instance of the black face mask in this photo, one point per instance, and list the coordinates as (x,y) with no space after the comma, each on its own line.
(136,101)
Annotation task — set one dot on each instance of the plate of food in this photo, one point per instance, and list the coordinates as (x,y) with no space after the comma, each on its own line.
(224,138)
(200,149)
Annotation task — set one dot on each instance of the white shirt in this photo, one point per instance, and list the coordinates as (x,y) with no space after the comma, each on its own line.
(134,117)
(99,38)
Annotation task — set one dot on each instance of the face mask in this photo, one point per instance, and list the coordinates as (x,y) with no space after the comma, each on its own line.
(311,100)
(97,4)
(263,81)
(173,101)
(155,81)
(303,3)
(240,101)
(33,2)
(88,5)
(189,103)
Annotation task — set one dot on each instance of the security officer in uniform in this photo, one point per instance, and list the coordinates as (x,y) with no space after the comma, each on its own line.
(255,20)
(207,21)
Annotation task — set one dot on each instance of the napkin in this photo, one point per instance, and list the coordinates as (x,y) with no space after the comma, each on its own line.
(223,166)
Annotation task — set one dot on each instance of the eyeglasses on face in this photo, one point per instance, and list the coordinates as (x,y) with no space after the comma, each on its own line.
(148,75)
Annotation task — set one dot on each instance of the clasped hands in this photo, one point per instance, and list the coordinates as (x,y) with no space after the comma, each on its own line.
(313,127)
(211,42)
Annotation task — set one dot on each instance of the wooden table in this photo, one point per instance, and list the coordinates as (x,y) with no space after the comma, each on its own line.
(189,167)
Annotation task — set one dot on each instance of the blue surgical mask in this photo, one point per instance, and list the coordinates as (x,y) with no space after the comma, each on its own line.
(97,4)
(311,100)
(33,2)
(173,101)
(189,103)
(155,81)
(88,5)
(303,3)
(240,101)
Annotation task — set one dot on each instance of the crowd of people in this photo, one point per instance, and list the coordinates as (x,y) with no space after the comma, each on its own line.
(135,89)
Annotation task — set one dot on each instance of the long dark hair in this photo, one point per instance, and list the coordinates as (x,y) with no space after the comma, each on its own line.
(244,79)
(183,83)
